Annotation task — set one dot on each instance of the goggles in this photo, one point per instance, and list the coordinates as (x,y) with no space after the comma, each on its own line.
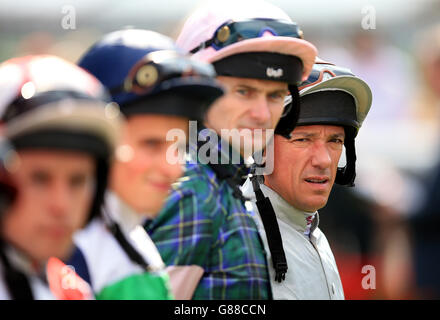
(322,72)
(234,31)
(158,66)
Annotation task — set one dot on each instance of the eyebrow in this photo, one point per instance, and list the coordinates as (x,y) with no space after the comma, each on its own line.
(245,86)
(303,134)
(313,134)
(248,87)
(338,135)
(282,91)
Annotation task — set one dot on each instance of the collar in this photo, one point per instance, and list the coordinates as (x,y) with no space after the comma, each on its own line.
(304,222)
(121,213)
(131,224)
(23,263)
(216,152)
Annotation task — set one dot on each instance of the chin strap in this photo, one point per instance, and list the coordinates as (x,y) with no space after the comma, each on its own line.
(271,227)
(128,248)
(345,176)
(289,120)
(233,180)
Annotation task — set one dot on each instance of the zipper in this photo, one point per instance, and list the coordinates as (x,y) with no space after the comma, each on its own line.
(322,266)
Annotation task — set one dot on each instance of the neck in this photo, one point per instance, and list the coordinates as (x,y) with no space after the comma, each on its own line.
(302,220)
(122,213)
(211,148)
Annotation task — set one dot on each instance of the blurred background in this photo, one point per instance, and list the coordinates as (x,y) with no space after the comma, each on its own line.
(390,220)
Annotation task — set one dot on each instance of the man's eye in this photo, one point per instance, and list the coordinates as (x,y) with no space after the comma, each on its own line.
(40,178)
(277,96)
(300,141)
(338,141)
(242,92)
(78,181)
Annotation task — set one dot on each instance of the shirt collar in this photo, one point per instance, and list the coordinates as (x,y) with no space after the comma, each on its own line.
(23,263)
(304,222)
(232,162)
(121,213)
(130,222)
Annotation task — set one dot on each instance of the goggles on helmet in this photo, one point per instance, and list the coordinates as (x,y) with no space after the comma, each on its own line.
(234,31)
(156,67)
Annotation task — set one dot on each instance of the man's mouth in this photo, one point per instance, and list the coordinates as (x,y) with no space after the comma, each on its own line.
(57,231)
(317,180)
(162,186)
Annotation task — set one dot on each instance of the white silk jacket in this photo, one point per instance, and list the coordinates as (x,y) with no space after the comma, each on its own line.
(312,272)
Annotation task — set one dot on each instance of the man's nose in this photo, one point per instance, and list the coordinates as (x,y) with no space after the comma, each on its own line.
(260,112)
(60,198)
(321,156)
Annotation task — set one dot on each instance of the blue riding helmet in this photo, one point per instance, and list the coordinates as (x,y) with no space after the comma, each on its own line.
(146,73)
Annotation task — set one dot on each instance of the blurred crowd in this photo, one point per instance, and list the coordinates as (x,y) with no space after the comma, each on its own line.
(395,227)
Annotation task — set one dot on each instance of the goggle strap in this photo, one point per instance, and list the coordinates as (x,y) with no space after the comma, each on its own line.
(269,28)
(203,45)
